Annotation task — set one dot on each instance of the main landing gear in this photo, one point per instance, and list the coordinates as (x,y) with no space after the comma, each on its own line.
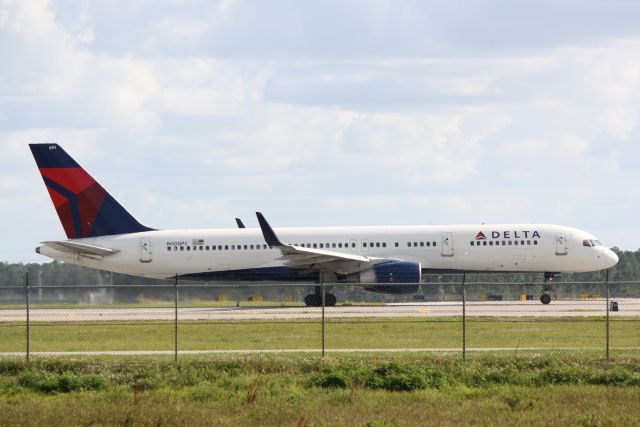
(315,299)
(545,298)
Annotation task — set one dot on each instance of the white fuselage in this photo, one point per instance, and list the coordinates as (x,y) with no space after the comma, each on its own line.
(212,252)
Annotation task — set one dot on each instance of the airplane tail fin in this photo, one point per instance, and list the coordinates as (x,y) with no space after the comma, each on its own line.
(84,207)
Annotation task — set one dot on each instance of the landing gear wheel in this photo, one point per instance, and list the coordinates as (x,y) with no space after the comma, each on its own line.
(315,300)
(312,300)
(330,300)
(545,299)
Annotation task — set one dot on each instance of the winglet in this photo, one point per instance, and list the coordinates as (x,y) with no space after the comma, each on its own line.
(269,236)
(240,223)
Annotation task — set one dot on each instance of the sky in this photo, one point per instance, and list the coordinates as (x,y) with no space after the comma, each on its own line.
(332,113)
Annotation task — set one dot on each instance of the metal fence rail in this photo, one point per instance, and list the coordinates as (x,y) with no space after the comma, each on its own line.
(456,314)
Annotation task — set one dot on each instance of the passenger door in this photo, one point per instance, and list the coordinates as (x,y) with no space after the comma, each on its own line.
(145,250)
(447,243)
(561,244)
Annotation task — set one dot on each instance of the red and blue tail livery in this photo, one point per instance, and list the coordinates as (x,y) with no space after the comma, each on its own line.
(84,207)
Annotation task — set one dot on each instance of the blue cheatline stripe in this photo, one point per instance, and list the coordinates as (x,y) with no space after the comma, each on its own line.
(266,273)
(52,156)
(73,202)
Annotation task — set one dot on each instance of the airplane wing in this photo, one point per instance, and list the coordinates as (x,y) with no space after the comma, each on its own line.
(79,248)
(302,257)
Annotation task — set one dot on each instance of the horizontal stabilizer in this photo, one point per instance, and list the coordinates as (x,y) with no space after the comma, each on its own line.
(79,248)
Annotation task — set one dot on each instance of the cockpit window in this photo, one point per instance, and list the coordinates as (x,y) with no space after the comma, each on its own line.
(590,243)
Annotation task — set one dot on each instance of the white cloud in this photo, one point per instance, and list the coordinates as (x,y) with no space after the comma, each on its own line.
(369,112)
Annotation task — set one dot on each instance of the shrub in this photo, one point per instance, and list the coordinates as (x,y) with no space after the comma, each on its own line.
(61,383)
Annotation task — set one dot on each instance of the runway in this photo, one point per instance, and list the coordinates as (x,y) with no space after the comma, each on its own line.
(564,308)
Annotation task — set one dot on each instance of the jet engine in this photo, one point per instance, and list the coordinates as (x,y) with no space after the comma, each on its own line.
(398,275)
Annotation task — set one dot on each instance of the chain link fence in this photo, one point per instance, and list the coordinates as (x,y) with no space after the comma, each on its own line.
(450,313)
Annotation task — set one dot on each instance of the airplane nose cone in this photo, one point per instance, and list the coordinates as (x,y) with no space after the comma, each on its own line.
(611,258)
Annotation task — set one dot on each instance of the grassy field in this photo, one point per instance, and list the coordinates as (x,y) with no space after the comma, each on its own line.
(390,333)
(403,389)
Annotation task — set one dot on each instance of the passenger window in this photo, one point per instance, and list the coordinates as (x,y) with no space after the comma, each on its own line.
(182,248)
(434,244)
(333,245)
(315,245)
(384,244)
(535,242)
(339,245)
(484,243)
(528,242)
(428,244)
(353,245)
(169,248)
(397,244)
(471,243)
(510,243)
(415,244)
(515,242)
(251,247)
(188,248)
(491,243)
(409,244)
(421,244)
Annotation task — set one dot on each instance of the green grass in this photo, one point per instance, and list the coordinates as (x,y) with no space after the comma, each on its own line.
(387,333)
(372,390)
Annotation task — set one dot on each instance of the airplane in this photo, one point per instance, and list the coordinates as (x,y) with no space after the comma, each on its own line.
(101,234)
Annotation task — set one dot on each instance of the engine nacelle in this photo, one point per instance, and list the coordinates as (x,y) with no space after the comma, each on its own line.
(400,272)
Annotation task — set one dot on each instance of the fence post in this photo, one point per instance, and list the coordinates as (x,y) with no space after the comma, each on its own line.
(464,316)
(323,303)
(175,287)
(606,282)
(26,292)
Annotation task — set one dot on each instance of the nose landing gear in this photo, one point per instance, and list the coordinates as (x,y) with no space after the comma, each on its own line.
(545,298)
